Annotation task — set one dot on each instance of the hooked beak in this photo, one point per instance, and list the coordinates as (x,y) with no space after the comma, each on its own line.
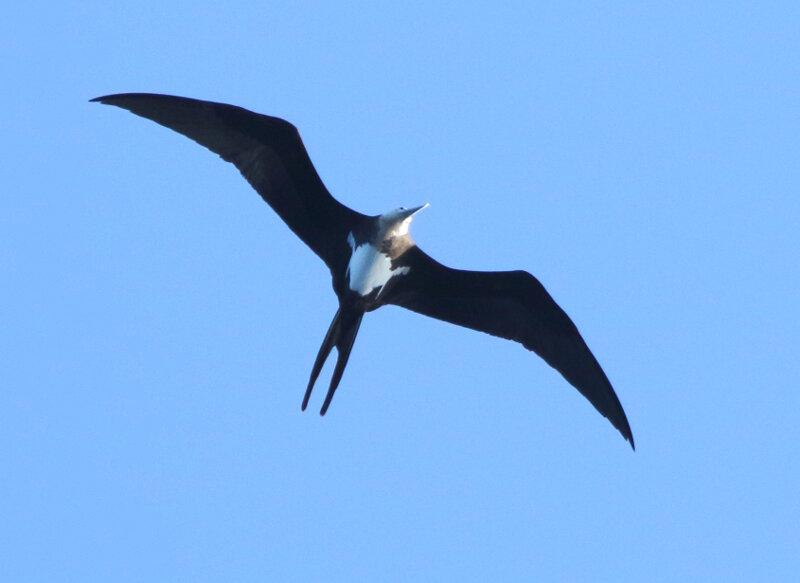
(411,212)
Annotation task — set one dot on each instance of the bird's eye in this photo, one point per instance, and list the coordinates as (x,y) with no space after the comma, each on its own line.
(402,208)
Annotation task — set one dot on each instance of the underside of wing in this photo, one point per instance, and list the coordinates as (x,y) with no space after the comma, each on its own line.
(511,305)
(269,153)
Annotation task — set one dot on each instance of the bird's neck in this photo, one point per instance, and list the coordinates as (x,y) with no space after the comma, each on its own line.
(395,245)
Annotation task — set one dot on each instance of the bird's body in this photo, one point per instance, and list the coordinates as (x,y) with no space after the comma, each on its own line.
(372,259)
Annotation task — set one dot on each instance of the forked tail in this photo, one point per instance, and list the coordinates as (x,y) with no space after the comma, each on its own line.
(342,334)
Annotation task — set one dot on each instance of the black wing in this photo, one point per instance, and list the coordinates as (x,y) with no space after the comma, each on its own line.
(269,153)
(512,305)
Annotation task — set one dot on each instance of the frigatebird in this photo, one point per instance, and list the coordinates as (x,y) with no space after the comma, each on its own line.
(372,259)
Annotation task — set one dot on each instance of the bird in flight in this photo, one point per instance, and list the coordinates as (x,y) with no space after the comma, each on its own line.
(372,259)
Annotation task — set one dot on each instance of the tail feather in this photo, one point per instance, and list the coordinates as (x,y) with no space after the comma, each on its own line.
(342,334)
(322,356)
(343,347)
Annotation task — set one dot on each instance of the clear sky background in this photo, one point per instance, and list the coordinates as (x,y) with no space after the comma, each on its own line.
(158,322)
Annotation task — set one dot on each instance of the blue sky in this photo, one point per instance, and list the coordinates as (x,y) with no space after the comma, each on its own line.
(159,322)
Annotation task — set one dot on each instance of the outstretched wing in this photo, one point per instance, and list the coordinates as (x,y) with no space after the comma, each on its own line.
(269,153)
(512,305)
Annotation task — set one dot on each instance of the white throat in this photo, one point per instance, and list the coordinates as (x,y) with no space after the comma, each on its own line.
(397,230)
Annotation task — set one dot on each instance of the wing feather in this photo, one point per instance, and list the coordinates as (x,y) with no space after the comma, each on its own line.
(269,153)
(512,305)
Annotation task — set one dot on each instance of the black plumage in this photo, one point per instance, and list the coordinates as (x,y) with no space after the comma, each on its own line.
(390,268)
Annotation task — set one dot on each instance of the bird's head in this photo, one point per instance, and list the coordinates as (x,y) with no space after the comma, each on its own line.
(395,223)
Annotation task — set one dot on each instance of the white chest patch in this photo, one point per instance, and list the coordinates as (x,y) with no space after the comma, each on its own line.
(369,268)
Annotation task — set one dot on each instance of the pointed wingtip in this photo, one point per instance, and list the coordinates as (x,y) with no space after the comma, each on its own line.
(117,98)
(618,419)
(627,434)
